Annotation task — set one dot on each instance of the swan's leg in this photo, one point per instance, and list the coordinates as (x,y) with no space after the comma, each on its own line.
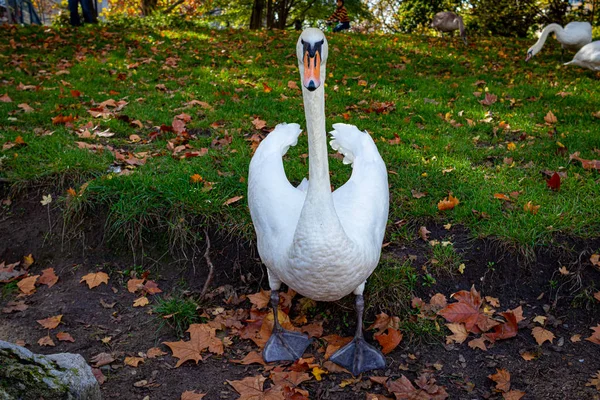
(283,345)
(358,356)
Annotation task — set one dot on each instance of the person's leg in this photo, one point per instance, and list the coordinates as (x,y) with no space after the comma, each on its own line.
(74,13)
(345,25)
(88,13)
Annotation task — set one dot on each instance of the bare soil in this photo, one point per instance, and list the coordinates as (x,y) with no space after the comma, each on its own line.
(560,372)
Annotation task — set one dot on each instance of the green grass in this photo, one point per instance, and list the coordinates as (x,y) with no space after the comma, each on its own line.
(391,286)
(177,312)
(430,82)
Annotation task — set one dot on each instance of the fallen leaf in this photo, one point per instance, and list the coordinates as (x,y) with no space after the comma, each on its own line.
(595,337)
(133,361)
(46,341)
(597,296)
(5,98)
(25,107)
(489,99)
(318,372)
(250,388)
(196,178)
(594,381)
(416,194)
(232,200)
(459,333)
(261,299)
(541,335)
(202,337)
(502,379)
(513,395)
(528,356)
(27,285)
(65,337)
(94,279)
(188,395)
(389,341)
(50,322)
(48,277)
(102,359)
(554,182)
(251,358)
(595,260)
(550,118)
(141,302)
(424,233)
(27,261)
(100,378)
(478,343)
(576,338)
(334,343)
(448,203)
(13,306)
(540,319)
(259,123)
(155,352)
(531,208)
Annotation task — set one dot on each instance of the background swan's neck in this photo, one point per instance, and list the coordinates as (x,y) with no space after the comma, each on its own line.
(547,31)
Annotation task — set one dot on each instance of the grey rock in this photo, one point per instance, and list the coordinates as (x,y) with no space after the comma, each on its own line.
(25,375)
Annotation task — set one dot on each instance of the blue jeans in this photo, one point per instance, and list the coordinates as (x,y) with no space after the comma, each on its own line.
(341,26)
(86,7)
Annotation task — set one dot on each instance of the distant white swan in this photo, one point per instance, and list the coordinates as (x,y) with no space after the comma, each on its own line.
(447,21)
(588,56)
(321,244)
(572,37)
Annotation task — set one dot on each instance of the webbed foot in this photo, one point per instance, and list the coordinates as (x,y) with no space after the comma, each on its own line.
(359,356)
(285,345)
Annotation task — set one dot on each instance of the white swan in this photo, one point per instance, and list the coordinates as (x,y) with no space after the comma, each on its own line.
(447,21)
(573,37)
(323,245)
(588,56)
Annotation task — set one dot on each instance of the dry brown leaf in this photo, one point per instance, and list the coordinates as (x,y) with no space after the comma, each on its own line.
(502,379)
(459,333)
(478,343)
(259,123)
(202,337)
(528,356)
(576,338)
(14,306)
(141,302)
(5,98)
(50,322)
(232,200)
(595,338)
(594,381)
(493,301)
(99,376)
(102,359)
(191,395)
(595,260)
(424,233)
(334,343)
(46,341)
(597,296)
(133,285)
(261,299)
(313,330)
(541,335)
(48,277)
(513,395)
(133,361)
(251,358)
(438,301)
(94,279)
(155,352)
(250,388)
(531,208)
(550,118)
(65,337)
(27,285)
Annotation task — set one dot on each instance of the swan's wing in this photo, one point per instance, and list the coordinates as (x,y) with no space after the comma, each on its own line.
(274,203)
(361,203)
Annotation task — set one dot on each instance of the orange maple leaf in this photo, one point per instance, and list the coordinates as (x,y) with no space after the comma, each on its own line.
(65,337)
(94,279)
(390,340)
(189,395)
(541,335)
(260,299)
(48,277)
(133,361)
(502,379)
(448,203)
(50,322)
(595,338)
(27,285)
(202,337)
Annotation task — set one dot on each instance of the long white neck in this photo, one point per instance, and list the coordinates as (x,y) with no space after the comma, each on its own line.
(547,31)
(319,184)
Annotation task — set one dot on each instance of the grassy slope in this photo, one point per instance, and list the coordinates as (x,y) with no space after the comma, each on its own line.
(429,80)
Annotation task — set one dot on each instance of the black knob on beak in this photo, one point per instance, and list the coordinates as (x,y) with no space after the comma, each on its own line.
(311,86)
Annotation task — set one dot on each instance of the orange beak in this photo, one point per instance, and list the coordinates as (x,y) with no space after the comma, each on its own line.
(312,69)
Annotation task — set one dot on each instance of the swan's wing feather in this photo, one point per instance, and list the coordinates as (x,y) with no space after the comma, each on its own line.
(274,203)
(361,203)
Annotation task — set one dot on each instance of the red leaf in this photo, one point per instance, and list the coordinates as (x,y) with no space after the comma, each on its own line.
(554,182)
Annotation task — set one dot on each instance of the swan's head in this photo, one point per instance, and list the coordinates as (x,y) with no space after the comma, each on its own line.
(530,53)
(312,57)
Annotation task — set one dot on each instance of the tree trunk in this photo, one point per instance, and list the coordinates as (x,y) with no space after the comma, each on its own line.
(257,14)
(149,6)
(270,15)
